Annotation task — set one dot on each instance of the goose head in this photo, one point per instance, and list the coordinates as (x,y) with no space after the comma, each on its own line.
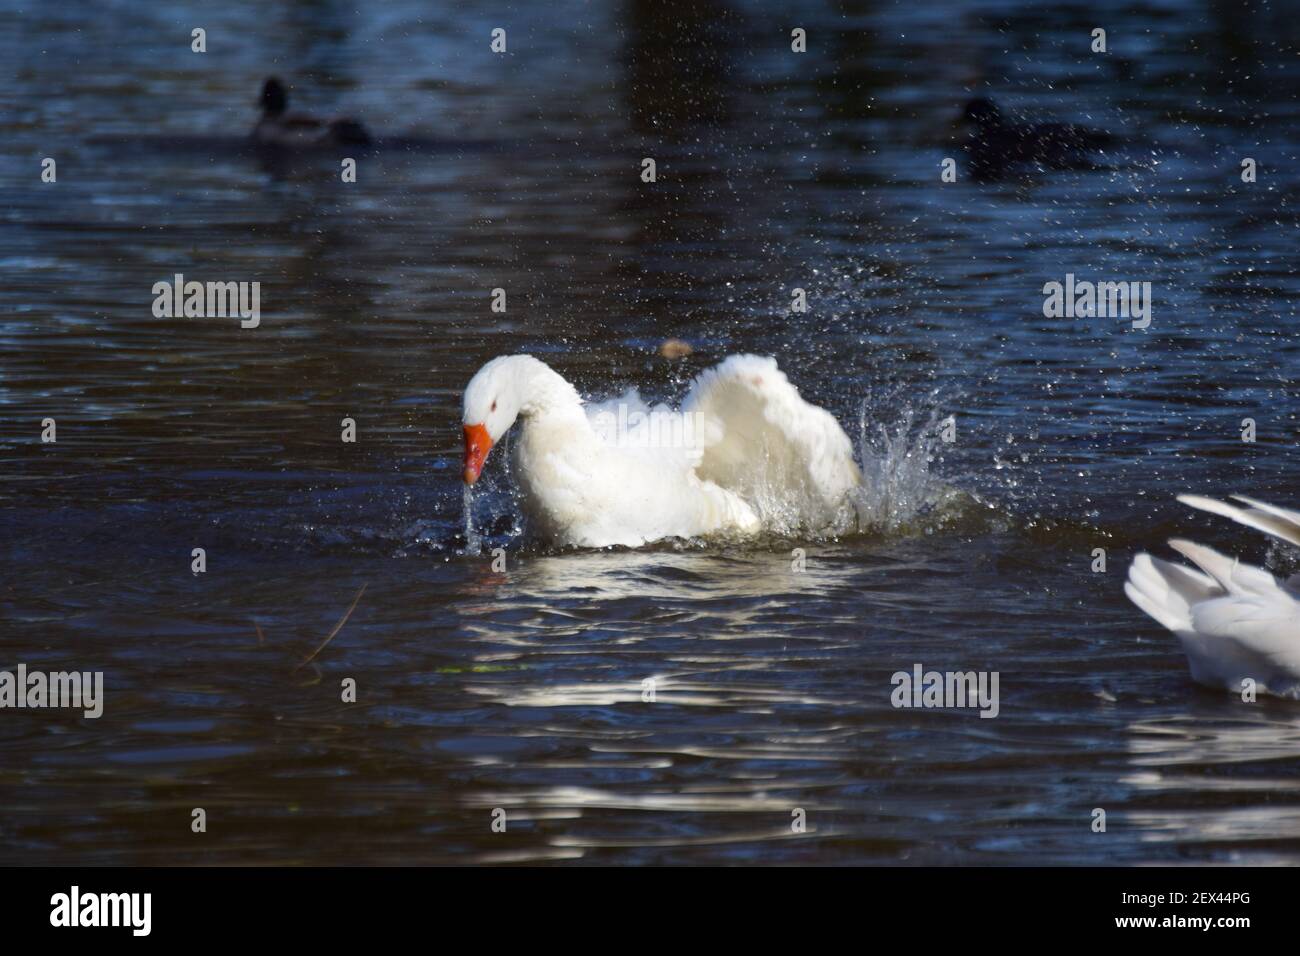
(491,405)
(505,389)
(275,98)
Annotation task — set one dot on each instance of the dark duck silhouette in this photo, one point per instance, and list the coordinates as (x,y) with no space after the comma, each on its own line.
(278,127)
(997,147)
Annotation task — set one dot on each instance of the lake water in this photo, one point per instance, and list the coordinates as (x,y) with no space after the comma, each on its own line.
(522,690)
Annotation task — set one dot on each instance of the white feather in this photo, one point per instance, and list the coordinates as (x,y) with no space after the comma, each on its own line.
(1279,522)
(1234,621)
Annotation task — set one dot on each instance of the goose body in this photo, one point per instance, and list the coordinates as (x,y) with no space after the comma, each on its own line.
(281,128)
(1234,621)
(743,453)
(997,146)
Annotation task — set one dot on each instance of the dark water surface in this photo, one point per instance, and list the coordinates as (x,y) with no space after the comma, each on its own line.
(523,691)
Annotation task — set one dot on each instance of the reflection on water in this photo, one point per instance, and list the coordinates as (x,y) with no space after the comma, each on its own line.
(526,689)
(1171,743)
(1222,784)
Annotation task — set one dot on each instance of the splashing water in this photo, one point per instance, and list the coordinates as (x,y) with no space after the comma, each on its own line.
(899,442)
(473,542)
(897,484)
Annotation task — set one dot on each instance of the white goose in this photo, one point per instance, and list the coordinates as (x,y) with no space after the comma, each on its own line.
(745,453)
(1234,621)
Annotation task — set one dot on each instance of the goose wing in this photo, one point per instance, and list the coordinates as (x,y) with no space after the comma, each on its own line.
(761,439)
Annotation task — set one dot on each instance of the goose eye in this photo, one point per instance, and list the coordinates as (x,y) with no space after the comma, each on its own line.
(494,406)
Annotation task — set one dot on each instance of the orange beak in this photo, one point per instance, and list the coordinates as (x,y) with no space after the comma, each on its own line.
(477,446)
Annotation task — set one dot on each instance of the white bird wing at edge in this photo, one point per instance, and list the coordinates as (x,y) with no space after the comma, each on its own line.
(1281,523)
(1167,591)
(1226,600)
(1267,626)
